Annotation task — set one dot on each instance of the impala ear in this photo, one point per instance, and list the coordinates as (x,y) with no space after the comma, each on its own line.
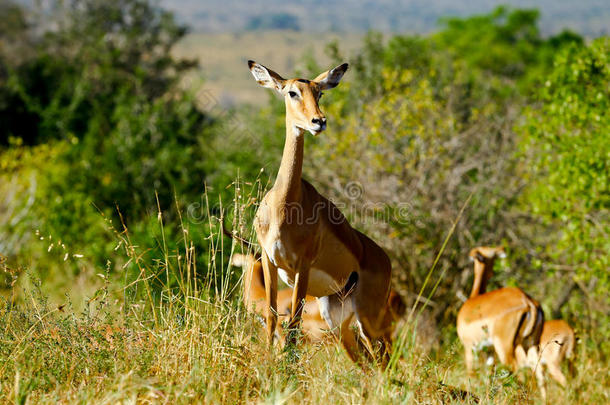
(331,78)
(397,304)
(266,77)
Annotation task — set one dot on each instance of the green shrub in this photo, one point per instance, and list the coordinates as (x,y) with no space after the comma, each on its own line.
(567,144)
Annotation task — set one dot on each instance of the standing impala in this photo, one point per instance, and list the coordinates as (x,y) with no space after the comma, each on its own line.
(506,318)
(305,238)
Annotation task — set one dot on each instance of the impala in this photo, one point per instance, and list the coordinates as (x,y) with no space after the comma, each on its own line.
(507,318)
(305,238)
(556,343)
(313,325)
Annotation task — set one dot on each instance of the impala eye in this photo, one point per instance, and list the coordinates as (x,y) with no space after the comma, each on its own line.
(293,94)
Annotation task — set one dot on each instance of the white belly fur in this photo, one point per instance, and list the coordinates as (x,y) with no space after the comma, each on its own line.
(289,281)
(319,285)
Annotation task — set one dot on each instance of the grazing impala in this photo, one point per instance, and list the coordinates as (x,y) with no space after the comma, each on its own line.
(507,318)
(556,343)
(313,325)
(305,238)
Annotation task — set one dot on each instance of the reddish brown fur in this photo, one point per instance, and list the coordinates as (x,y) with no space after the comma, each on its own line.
(507,316)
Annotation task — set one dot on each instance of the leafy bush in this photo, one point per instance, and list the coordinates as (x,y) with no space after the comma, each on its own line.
(101,93)
(565,139)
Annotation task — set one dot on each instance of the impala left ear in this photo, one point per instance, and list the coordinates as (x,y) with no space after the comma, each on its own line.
(331,78)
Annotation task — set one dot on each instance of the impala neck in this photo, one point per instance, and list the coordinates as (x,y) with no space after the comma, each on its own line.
(482,272)
(288,181)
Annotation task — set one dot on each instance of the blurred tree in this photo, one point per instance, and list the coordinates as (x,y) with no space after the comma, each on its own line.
(99,86)
(506,43)
(97,50)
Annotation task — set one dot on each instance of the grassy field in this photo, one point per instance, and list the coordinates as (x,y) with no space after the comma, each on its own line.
(121,344)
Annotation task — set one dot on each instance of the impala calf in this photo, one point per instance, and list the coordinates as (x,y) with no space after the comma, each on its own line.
(313,325)
(315,328)
(305,238)
(556,343)
(506,318)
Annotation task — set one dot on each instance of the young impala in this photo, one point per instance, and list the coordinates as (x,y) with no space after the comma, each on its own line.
(556,343)
(507,318)
(305,238)
(313,325)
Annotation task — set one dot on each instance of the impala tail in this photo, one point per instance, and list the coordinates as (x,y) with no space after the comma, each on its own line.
(530,327)
(234,236)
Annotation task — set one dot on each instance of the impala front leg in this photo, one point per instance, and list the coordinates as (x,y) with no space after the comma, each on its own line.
(270,275)
(298,302)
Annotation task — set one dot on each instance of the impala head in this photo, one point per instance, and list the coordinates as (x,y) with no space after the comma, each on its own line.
(301,95)
(484,258)
(486,254)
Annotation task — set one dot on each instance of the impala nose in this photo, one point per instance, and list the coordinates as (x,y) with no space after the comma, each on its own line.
(320,122)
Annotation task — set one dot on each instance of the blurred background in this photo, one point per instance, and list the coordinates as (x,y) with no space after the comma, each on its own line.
(117,116)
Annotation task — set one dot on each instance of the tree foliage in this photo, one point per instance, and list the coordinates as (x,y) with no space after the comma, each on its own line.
(566,140)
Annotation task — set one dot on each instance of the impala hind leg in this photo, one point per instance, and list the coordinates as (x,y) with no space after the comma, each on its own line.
(353,343)
(504,334)
(370,298)
(270,276)
(338,312)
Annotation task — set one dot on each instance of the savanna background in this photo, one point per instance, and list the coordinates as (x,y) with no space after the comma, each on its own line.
(129,127)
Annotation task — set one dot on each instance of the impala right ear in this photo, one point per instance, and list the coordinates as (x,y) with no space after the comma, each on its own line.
(266,77)
(397,304)
(331,78)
